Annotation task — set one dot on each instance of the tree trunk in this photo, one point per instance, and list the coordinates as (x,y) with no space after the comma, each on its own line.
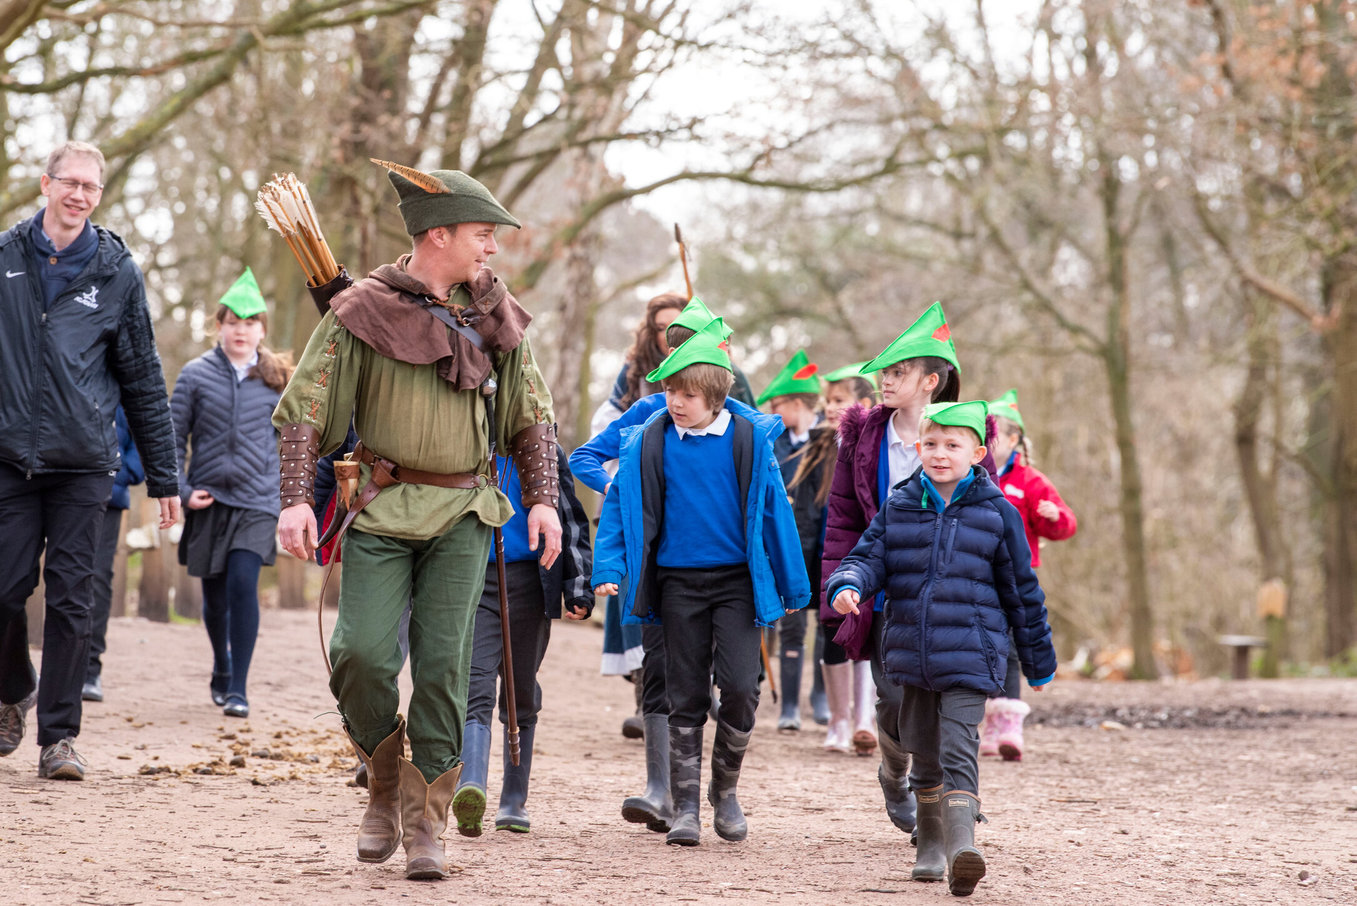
(153,594)
(291,582)
(1339,342)
(1260,484)
(1117,360)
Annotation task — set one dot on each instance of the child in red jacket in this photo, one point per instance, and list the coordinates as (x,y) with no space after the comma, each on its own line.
(1044,515)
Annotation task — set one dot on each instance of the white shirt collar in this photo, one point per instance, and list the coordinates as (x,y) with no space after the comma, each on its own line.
(242,371)
(717,427)
(896,440)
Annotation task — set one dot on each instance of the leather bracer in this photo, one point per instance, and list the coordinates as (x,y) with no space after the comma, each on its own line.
(321,295)
(298,451)
(534,452)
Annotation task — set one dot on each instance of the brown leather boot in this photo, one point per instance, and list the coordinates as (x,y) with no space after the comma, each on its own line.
(424,808)
(379,833)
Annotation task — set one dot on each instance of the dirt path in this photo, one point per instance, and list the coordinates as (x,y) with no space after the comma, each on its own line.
(1249,796)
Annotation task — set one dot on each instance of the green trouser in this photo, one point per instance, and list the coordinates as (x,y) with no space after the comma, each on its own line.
(441,579)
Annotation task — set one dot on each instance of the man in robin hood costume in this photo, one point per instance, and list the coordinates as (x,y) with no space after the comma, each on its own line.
(409,352)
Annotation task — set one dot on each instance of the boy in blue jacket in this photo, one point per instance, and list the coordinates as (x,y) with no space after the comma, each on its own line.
(697,535)
(951,554)
(654,808)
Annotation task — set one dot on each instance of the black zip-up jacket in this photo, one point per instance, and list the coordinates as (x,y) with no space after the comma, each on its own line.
(64,367)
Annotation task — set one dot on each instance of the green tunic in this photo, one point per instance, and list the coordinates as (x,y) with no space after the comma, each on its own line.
(410,415)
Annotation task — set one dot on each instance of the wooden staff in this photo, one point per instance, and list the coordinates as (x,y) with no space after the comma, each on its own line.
(767,664)
(687,281)
(488,389)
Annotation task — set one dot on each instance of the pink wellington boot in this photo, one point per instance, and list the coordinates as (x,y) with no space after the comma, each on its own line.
(839,692)
(864,708)
(989,735)
(1008,716)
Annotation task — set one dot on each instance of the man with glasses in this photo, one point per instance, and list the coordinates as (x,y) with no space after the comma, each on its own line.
(75,340)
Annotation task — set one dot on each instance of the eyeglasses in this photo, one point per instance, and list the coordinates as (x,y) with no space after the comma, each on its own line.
(71,185)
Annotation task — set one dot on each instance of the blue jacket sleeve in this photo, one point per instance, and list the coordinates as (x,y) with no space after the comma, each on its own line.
(589,458)
(609,550)
(131,471)
(782,541)
(1023,600)
(865,566)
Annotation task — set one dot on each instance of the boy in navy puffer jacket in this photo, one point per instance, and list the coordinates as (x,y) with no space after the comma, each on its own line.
(951,554)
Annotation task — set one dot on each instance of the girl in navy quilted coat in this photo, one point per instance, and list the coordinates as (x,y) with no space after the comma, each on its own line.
(951,555)
(223,423)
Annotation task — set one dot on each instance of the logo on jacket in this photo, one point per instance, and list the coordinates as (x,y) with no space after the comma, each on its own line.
(89,298)
(10,275)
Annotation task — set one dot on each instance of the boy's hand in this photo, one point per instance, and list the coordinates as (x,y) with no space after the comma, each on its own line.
(1048,510)
(846,601)
(1042,688)
(607,588)
(573,613)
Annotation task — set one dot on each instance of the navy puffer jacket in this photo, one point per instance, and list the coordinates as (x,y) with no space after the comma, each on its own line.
(230,425)
(955,581)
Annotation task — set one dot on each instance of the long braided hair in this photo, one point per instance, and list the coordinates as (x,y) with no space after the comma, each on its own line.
(823,447)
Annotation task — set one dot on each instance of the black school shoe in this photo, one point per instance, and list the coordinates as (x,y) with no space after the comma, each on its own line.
(93,690)
(236,706)
(218,686)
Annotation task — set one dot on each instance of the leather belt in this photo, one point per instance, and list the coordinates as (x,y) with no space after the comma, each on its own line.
(466,480)
(385,473)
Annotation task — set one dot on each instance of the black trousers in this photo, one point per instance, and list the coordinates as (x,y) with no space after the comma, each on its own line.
(63,514)
(104,556)
(654,665)
(708,618)
(529,633)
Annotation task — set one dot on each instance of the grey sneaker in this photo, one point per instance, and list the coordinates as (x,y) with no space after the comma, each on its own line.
(60,761)
(12,719)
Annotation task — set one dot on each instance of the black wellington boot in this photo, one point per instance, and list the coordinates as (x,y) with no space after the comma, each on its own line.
(513,792)
(965,865)
(893,776)
(727,754)
(468,804)
(655,807)
(634,725)
(685,784)
(790,718)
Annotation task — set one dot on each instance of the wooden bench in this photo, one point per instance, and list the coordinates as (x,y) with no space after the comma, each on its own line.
(1240,645)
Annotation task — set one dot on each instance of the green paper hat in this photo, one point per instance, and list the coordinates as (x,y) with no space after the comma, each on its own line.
(695,316)
(850,371)
(970,414)
(928,336)
(707,346)
(1006,406)
(442,198)
(798,376)
(244,297)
